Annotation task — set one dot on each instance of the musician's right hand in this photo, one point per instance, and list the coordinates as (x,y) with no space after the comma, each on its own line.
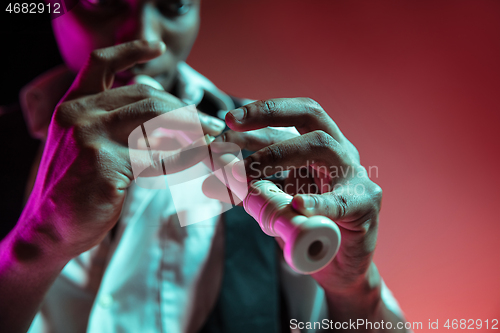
(86,169)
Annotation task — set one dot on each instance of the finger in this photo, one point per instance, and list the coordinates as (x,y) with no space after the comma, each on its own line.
(319,148)
(220,147)
(216,125)
(302,183)
(256,139)
(140,97)
(303,113)
(215,189)
(153,114)
(157,142)
(347,204)
(151,163)
(98,74)
(147,80)
(115,98)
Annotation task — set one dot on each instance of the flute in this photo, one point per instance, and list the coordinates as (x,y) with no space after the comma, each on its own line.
(311,243)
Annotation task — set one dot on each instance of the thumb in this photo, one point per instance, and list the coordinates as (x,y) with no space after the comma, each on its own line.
(331,205)
(350,209)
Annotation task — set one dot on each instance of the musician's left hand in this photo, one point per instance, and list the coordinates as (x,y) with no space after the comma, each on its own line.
(325,176)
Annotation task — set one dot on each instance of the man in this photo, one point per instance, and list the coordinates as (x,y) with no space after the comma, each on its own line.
(68,253)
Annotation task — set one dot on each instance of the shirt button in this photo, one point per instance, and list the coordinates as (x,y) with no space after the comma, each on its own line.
(106,300)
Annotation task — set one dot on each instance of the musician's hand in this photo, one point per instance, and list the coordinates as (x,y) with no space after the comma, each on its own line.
(86,169)
(325,176)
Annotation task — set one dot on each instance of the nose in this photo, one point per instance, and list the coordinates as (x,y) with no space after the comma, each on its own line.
(141,24)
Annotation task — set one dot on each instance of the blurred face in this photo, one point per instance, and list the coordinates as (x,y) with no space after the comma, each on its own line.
(94,24)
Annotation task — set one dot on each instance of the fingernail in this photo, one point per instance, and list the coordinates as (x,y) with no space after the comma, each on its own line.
(159,44)
(239,171)
(309,202)
(214,123)
(217,123)
(209,139)
(238,114)
(147,80)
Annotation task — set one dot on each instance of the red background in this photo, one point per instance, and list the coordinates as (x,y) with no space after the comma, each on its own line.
(415,86)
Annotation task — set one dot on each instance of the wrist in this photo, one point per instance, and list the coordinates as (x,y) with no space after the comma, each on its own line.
(360,299)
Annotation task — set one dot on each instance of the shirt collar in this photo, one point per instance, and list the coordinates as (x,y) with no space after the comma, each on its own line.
(40,97)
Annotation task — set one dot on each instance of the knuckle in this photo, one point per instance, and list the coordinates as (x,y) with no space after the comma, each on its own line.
(145,90)
(98,57)
(337,206)
(62,115)
(323,139)
(264,158)
(67,113)
(341,205)
(152,105)
(272,153)
(268,107)
(326,146)
(311,106)
(311,103)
